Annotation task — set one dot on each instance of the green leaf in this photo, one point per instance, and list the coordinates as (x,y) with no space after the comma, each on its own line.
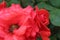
(51,26)
(13,1)
(55,17)
(9,2)
(53,38)
(46,6)
(1,1)
(58,35)
(55,3)
(27,2)
(43,0)
(39,38)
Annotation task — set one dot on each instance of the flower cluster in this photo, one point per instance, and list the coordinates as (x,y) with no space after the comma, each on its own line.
(17,23)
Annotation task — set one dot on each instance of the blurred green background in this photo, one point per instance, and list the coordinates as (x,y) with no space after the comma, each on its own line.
(53,6)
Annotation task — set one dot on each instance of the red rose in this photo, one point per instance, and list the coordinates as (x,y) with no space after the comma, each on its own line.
(17,23)
(42,20)
(2,5)
(16,16)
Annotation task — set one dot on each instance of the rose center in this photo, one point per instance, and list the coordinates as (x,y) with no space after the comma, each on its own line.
(12,27)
